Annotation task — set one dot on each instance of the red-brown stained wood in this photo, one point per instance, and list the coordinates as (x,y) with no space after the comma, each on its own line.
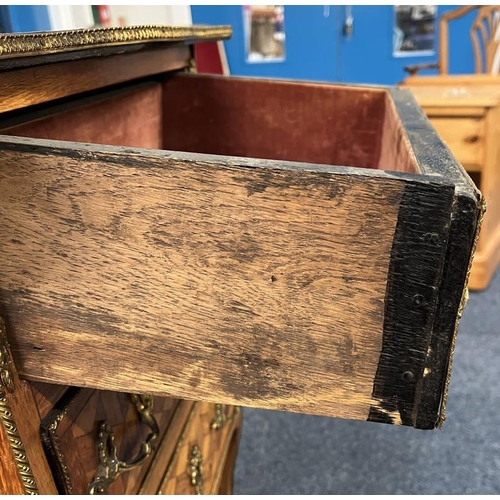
(171,245)
(272,119)
(138,272)
(166,449)
(10,482)
(227,476)
(28,422)
(395,150)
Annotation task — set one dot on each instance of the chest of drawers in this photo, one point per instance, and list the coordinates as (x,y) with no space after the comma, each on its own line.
(170,237)
(465,110)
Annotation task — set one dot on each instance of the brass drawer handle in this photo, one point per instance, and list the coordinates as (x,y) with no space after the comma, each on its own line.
(110,466)
(220,418)
(196,470)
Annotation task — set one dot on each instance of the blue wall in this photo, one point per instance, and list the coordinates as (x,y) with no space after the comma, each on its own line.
(317,50)
(367,56)
(301,48)
(29,18)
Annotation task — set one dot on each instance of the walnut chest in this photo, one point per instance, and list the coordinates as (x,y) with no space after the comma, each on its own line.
(170,237)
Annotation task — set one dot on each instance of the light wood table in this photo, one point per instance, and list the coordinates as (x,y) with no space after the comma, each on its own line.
(465,110)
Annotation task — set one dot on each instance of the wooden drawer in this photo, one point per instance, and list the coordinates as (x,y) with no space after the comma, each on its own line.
(284,245)
(70,434)
(465,137)
(199,459)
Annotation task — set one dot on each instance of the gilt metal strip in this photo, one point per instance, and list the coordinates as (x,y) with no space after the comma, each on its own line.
(42,43)
(7,387)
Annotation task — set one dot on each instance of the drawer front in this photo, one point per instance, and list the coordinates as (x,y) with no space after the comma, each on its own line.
(197,464)
(465,137)
(73,431)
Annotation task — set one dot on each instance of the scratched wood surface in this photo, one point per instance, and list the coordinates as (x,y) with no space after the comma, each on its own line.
(135,271)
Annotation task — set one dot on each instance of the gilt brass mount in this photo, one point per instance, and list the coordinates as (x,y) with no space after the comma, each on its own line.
(7,418)
(220,418)
(110,465)
(196,470)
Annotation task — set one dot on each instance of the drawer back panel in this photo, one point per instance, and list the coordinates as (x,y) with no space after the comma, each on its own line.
(282,120)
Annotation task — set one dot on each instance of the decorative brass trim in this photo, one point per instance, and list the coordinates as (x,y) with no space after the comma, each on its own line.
(181,441)
(6,381)
(110,466)
(463,302)
(50,439)
(196,469)
(220,418)
(50,42)
(192,68)
(20,457)
(7,419)
(158,455)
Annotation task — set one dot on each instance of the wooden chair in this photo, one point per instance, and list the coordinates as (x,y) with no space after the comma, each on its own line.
(485,37)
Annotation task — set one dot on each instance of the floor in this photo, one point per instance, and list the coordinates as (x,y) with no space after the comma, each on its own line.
(284,453)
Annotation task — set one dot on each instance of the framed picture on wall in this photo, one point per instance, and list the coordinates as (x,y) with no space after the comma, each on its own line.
(414,30)
(264,31)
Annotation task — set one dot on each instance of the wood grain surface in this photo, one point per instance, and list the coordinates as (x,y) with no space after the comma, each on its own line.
(435,159)
(227,476)
(465,137)
(166,449)
(488,257)
(140,271)
(213,446)
(466,117)
(39,84)
(24,420)
(74,443)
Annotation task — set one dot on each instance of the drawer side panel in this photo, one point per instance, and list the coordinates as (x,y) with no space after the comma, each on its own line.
(257,284)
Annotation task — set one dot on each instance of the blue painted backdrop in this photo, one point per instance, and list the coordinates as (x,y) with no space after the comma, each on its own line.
(317,50)
(300,22)
(28,18)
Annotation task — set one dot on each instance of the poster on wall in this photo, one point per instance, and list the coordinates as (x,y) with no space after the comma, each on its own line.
(264,29)
(414,30)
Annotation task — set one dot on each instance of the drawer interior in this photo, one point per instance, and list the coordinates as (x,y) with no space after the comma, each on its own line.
(267,119)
